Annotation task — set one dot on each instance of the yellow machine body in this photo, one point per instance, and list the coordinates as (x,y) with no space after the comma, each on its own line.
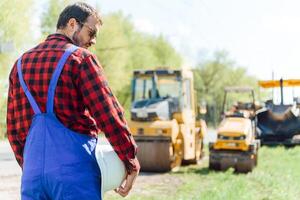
(234,134)
(279,83)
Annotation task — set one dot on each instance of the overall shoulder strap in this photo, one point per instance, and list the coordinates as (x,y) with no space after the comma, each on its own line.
(55,77)
(30,98)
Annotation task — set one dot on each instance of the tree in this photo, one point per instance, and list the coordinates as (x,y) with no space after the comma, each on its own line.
(212,76)
(51,14)
(16,32)
(122,50)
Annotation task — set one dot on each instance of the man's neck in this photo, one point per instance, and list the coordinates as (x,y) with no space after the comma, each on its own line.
(60,31)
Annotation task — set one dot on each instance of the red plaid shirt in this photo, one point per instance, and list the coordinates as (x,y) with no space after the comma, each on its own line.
(83,101)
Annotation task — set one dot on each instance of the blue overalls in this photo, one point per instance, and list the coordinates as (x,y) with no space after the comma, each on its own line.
(58,162)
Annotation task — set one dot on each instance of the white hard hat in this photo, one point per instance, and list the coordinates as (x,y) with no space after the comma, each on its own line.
(112,168)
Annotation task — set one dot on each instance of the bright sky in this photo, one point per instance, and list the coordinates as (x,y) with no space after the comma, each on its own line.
(261,35)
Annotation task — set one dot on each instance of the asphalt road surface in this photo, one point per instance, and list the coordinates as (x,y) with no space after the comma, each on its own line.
(10,173)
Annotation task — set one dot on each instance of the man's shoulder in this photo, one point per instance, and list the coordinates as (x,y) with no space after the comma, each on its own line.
(55,49)
(83,53)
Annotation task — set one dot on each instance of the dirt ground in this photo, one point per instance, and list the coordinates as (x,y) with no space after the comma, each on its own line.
(149,183)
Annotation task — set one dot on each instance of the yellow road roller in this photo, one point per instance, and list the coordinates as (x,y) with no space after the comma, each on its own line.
(163,119)
(236,145)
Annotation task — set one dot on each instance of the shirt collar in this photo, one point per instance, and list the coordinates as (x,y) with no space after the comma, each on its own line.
(58,36)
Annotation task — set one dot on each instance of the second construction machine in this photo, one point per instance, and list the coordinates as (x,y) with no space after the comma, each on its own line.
(163,119)
(279,123)
(236,145)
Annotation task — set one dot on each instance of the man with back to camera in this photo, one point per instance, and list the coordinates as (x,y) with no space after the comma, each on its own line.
(58,101)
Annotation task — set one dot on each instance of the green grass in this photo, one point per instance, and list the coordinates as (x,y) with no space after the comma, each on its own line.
(277,176)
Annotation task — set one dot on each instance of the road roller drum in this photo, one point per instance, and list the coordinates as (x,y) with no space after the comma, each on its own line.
(158,154)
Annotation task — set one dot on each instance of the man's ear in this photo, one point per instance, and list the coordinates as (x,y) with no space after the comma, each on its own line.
(72,23)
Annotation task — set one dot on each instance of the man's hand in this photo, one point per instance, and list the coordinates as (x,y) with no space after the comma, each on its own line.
(125,188)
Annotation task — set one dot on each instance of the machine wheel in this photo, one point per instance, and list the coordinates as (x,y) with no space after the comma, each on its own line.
(214,166)
(245,166)
(159,155)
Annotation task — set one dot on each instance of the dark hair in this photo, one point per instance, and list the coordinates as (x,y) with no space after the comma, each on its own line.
(79,11)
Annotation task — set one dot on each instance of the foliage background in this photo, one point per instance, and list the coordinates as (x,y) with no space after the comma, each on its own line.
(120,49)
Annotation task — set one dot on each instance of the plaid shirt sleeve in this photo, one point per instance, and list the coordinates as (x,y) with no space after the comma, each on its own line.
(106,111)
(17,143)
